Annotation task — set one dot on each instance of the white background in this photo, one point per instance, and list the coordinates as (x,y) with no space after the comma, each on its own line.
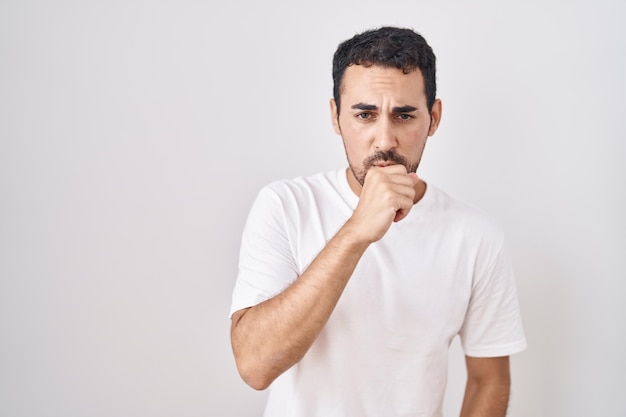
(135,134)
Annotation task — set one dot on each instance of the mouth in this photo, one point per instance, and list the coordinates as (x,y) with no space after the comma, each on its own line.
(383,164)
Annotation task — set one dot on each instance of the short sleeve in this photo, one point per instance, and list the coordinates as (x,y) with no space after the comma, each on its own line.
(493,323)
(266,262)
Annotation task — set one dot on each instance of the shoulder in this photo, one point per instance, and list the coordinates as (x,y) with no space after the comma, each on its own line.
(464,215)
(301,188)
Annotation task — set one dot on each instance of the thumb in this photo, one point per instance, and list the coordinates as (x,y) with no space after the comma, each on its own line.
(400,214)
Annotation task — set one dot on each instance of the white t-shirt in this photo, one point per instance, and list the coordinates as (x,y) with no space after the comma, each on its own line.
(439,272)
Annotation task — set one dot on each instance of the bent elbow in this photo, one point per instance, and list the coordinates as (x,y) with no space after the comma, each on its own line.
(258,384)
(254,375)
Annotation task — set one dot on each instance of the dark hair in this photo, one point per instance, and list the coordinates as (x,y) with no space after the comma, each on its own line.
(390,47)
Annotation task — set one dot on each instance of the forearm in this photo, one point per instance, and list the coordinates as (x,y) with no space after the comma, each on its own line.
(485,400)
(271,337)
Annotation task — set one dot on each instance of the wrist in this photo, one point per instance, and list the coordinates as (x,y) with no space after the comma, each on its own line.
(352,235)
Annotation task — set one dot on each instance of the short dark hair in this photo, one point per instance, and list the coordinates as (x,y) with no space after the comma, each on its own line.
(391,47)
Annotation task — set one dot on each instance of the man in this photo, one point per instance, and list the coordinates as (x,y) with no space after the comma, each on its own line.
(353,283)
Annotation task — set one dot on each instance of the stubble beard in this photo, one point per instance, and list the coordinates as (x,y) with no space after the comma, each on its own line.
(377,158)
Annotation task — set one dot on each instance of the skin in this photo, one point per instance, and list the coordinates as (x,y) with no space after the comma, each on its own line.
(384,113)
(488,387)
(384,110)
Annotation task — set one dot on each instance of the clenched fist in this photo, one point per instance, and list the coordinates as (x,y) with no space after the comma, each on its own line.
(387,196)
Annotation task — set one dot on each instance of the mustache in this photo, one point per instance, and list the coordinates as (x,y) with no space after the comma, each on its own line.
(385,156)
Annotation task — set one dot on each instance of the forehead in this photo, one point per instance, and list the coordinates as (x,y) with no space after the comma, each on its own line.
(371,84)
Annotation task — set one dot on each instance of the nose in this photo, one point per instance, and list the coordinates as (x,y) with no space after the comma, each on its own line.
(385,135)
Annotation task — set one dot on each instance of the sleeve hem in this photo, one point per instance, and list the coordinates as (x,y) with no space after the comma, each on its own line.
(495,351)
(240,306)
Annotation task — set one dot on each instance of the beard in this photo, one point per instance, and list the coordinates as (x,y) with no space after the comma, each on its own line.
(382,156)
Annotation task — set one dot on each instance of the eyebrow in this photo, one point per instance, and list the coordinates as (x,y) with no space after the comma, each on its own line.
(404,109)
(363,106)
(372,107)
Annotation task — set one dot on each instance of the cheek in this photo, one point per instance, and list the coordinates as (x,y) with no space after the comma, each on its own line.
(417,136)
(355,142)
(355,154)
(416,147)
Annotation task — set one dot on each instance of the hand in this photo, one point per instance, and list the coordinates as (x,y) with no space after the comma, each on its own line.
(387,196)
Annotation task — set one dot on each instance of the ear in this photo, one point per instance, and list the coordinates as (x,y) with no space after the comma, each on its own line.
(334,116)
(435,117)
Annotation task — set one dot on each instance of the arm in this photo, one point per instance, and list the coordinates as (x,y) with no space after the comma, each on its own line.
(269,338)
(488,387)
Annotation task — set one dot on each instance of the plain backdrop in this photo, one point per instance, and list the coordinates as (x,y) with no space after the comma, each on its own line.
(135,134)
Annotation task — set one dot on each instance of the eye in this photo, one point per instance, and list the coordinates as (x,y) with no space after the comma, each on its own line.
(363,116)
(404,116)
